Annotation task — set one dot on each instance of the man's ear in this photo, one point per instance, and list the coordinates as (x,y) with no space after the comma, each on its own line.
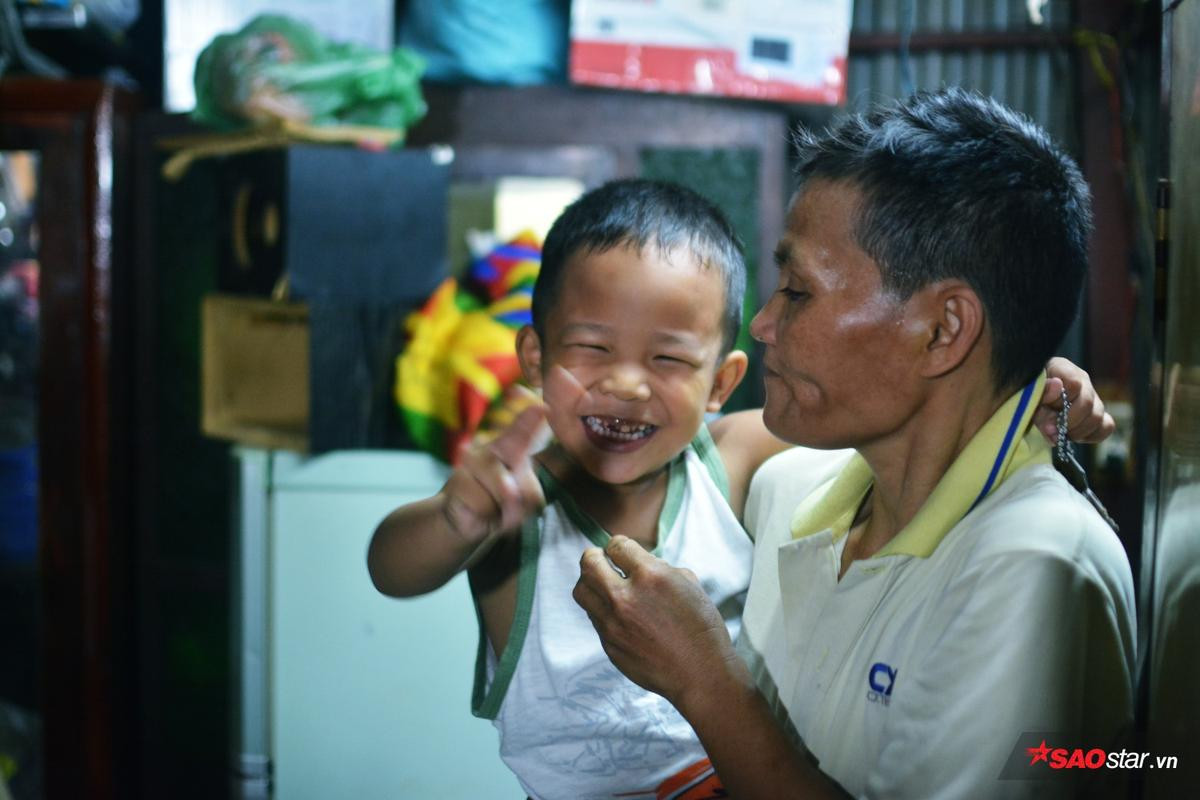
(529,355)
(729,374)
(955,321)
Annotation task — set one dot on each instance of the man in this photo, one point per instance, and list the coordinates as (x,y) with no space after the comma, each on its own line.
(920,603)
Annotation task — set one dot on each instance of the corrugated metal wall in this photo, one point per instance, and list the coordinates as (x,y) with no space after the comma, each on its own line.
(1036,78)
(992,46)
(884,16)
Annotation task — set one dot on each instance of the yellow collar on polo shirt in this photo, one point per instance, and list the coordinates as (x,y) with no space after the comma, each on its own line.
(1004,445)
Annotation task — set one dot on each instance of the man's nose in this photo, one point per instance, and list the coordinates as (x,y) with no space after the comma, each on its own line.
(762,327)
(626,382)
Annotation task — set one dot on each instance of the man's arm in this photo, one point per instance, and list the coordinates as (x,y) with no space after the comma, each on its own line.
(747,746)
(662,631)
(1030,642)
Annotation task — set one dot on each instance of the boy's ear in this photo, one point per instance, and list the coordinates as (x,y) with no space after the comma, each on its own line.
(729,374)
(529,355)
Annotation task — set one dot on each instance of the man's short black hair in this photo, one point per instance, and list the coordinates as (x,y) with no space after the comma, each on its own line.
(955,185)
(643,213)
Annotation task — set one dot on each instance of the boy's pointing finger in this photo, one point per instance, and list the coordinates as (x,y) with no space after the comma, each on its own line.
(528,434)
(565,389)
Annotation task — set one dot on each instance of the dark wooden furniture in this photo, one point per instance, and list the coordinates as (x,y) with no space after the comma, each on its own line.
(81,129)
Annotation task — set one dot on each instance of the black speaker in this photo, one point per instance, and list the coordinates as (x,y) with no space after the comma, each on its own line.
(342,223)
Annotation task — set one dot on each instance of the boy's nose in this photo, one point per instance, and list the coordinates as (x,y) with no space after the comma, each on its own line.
(762,327)
(626,383)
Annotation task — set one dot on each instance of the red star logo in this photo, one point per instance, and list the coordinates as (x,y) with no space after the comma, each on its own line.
(1038,753)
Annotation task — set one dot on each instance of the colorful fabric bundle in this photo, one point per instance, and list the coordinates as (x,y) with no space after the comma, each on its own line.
(506,276)
(461,352)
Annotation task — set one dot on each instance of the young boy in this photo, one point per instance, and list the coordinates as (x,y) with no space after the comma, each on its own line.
(635,313)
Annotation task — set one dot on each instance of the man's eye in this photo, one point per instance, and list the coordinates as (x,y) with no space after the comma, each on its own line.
(794,295)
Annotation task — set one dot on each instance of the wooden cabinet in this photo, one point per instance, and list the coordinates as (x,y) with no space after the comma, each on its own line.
(86,423)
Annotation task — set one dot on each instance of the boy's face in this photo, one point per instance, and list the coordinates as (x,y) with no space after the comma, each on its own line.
(640,334)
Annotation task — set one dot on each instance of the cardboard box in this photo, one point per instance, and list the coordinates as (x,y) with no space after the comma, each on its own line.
(255,372)
(308,377)
(781,50)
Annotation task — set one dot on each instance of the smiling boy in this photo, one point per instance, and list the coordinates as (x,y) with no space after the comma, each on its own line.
(635,313)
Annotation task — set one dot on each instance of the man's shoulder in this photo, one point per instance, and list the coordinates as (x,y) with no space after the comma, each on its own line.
(1037,515)
(799,469)
(787,478)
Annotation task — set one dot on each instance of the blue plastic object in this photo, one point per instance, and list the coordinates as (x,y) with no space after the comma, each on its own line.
(18,504)
(482,41)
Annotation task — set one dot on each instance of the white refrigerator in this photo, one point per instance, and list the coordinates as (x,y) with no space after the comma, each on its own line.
(340,691)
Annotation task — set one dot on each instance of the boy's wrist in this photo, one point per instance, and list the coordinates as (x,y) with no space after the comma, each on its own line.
(462,522)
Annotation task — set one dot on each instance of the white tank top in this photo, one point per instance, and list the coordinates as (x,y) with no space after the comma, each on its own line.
(571,726)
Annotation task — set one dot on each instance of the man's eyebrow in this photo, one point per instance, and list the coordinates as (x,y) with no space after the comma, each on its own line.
(782,255)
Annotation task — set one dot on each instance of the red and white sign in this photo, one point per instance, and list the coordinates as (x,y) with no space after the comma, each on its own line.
(782,50)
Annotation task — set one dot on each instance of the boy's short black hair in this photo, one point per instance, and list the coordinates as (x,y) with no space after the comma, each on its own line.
(639,213)
(955,185)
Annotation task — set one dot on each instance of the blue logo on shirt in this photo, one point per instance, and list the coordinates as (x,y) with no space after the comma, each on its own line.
(881,679)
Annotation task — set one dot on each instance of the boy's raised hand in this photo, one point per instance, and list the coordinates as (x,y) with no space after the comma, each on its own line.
(1087,420)
(494,487)
(562,390)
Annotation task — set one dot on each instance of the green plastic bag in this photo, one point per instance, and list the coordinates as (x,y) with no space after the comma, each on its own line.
(277,69)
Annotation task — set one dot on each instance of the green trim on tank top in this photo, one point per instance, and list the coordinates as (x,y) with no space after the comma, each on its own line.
(486,700)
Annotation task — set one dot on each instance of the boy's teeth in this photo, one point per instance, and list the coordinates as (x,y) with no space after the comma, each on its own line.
(615,428)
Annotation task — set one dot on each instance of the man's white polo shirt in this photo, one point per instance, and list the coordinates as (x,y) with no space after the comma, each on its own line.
(1004,607)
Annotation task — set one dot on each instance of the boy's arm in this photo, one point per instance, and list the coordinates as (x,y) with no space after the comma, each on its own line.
(415,549)
(1087,421)
(420,546)
(744,443)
